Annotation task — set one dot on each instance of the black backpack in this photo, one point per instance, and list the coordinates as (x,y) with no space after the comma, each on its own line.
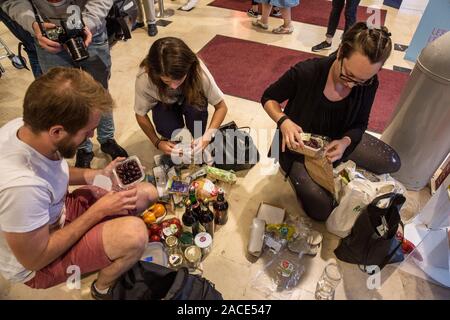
(373,240)
(150,281)
(120,19)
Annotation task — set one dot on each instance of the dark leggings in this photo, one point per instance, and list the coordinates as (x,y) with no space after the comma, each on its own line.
(351,7)
(169,118)
(371,154)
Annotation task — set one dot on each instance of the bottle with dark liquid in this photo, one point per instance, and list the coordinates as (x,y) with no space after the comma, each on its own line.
(189,219)
(206,218)
(220,209)
(194,202)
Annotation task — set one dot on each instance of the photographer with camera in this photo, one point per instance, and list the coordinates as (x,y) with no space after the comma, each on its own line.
(72,34)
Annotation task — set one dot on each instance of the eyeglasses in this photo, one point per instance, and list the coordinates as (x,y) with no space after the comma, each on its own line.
(351,80)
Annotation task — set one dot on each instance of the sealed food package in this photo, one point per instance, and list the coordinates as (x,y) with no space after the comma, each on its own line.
(129,172)
(221,175)
(205,189)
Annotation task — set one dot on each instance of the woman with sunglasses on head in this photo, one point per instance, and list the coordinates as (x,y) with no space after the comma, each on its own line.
(332,96)
(177,87)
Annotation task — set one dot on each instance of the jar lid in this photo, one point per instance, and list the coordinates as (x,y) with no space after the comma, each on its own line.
(193,254)
(203,240)
(171,241)
(187,238)
(176,259)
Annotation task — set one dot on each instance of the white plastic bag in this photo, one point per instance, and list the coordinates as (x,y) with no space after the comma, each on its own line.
(354,193)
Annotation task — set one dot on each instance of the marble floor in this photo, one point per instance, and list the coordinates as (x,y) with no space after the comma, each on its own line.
(227,265)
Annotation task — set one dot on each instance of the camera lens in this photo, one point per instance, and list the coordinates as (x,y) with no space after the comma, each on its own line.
(77,49)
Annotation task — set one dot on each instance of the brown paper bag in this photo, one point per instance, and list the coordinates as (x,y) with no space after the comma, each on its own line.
(321,171)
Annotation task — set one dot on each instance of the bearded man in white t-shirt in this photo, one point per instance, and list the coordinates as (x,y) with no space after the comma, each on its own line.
(44,229)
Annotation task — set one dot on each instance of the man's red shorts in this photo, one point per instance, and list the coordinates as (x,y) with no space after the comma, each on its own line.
(88,253)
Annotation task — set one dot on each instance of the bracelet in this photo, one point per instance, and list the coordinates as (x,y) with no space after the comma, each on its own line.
(157,143)
(281,120)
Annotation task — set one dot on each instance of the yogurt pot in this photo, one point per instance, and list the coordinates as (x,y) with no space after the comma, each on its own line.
(204,241)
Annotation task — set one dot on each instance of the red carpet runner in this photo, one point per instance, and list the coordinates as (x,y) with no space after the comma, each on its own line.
(314,12)
(245,69)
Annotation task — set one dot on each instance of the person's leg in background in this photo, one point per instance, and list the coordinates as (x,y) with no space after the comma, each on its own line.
(351,9)
(375,156)
(333,22)
(149,9)
(263,23)
(140,18)
(317,202)
(189,5)
(287,26)
(253,11)
(26,38)
(99,66)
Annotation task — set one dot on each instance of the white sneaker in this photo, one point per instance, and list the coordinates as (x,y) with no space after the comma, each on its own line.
(189,5)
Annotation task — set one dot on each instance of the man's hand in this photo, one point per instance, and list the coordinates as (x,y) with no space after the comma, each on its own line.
(88,37)
(291,135)
(45,43)
(108,172)
(116,203)
(335,149)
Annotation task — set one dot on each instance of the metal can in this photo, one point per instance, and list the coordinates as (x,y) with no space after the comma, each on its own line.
(193,256)
(204,241)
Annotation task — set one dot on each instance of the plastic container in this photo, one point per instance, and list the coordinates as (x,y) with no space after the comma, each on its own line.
(155,253)
(129,172)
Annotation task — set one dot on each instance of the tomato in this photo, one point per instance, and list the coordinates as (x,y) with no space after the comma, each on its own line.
(175,221)
(165,224)
(155,238)
(155,228)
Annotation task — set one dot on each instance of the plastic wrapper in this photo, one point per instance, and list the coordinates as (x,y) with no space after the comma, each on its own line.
(205,189)
(221,175)
(280,276)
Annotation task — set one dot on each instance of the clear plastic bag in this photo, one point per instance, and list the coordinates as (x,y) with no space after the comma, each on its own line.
(280,275)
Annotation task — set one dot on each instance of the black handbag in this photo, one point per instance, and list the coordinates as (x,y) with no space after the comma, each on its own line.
(233,148)
(150,281)
(120,19)
(372,240)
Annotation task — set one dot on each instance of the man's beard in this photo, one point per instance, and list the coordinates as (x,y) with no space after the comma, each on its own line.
(67,148)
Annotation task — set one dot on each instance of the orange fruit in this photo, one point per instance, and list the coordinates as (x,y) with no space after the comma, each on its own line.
(158,209)
(149,217)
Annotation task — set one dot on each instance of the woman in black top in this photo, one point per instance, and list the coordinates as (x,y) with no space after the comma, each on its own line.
(332,96)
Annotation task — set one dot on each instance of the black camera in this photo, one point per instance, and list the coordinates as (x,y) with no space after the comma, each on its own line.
(72,39)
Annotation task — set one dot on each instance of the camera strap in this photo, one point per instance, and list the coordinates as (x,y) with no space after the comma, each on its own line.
(39,19)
